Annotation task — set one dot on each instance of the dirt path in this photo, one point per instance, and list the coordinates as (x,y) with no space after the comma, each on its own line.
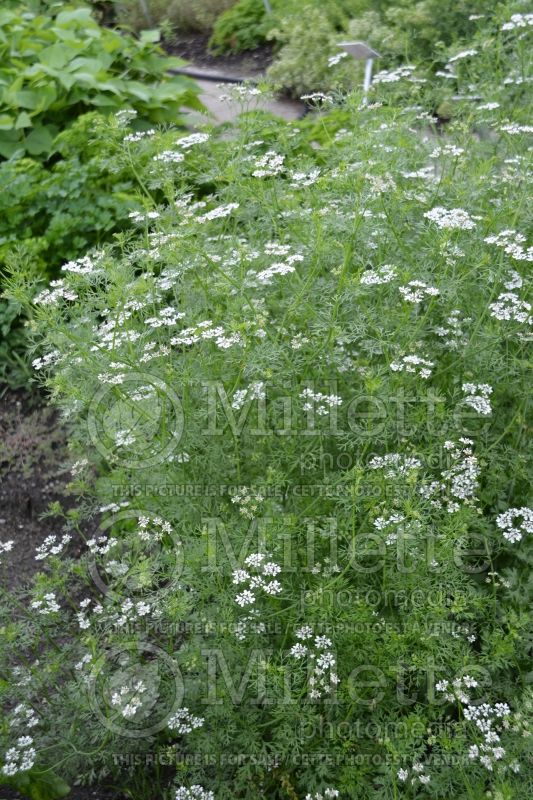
(221,110)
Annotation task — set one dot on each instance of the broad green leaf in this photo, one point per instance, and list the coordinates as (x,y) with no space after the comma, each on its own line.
(6,122)
(92,65)
(23,120)
(39,785)
(76,15)
(28,98)
(139,90)
(57,55)
(9,143)
(150,36)
(39,140)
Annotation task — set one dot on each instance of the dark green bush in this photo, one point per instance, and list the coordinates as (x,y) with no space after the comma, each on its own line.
(60,211)
(242,27)
(59,64)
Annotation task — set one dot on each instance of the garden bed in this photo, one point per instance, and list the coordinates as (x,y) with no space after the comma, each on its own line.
(194,49)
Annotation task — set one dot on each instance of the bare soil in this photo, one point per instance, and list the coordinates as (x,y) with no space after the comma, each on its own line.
(33,474)
(193,48)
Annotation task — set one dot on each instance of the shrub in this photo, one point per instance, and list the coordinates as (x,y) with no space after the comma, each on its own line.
(180,15)
(244,26)
(59,64)
(307,42)
(76,202)
(299,402)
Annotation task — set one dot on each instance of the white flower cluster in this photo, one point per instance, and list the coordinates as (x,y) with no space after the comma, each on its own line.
(280,268)
(166,317)
(394,464)
(298,341)
(301,179)
(170,157)
(513,530)
(100,545)
(138,135)
(510,308)
(512,243)
(205,331)
(384,274)
(389,525)
(152,529)
(184,722)
(195,792)
(58,291)
(129,699)
(84,266)
(417,773)
(327,793)
(489,720)
(514,280)
(336,59)
(19,758)
(518,21)
(447,149)
(125,116)
(136,216)
(130,611)
(459,482)
(193,139)
(51,546)
(416,365)
(249,624)
(45,361)
(269,165)
(514,129)
(248,500)
(452,218)
(256,574)
(23,716)
(457,689)
(47,605)
(317,98)
(394,75)
(317,649)
(478,395)
(255,391)
(461,55)
(240,93)
(217,213)
(416,291)
(318,402)
(81,616)
(424,173)
(6,547)
(453,334)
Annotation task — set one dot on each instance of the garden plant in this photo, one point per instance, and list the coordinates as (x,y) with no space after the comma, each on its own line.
(298,397)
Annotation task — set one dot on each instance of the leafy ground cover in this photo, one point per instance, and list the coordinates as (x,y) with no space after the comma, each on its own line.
(61,76)
(298,398)
(60,63)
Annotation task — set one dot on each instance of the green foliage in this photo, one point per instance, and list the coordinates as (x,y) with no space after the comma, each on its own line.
(242,27)
(39,785)
(59,64)
(178,15)
(307,41)
(75,203)
(269,395)
(246,24)
(421,30)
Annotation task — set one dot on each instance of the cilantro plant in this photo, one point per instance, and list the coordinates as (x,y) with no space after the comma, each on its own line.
(299,400)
